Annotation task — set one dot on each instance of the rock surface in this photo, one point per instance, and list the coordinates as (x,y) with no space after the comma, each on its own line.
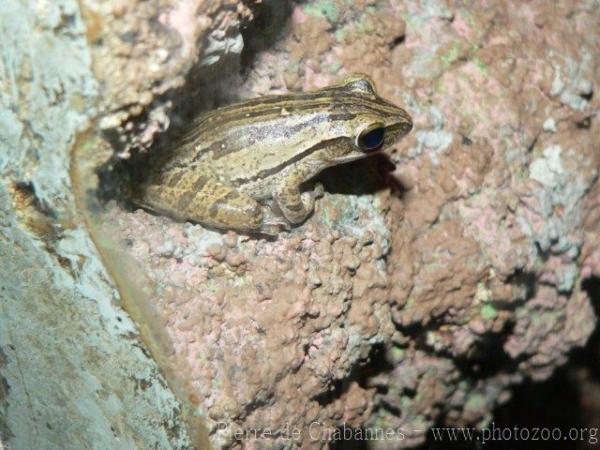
(410,296)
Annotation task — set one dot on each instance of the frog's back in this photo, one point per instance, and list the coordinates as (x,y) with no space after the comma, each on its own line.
(225,126)
(259,135)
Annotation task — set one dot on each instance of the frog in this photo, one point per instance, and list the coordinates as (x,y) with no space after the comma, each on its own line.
(242,167)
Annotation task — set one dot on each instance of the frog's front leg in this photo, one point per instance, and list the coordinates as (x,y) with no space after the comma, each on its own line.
(201,198)
(296,206)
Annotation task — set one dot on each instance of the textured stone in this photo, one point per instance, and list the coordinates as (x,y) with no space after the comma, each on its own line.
(423,293)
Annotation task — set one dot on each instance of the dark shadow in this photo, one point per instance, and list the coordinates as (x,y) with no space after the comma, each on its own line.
(549,405)
(271,18)
(364,176)
(376,364)
(361,373)
(487,358)
(552,404)
(208,87)
(563,402)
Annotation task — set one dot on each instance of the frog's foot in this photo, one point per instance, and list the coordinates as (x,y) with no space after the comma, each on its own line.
(273,224)
(295,206)
(319,190)
(309,198)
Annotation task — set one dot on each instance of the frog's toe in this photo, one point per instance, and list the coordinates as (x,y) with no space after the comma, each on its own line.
(270,230)
(319,190)
(272,221)
(277,222)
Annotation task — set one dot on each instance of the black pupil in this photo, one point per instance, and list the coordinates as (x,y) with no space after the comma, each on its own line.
(372,140)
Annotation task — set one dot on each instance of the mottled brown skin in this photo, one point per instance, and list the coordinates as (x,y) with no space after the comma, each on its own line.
(235,157)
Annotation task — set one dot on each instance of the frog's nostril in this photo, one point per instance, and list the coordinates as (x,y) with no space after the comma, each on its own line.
(407,120)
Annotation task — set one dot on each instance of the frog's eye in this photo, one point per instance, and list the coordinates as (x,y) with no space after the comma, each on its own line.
(360,83)
(371,139)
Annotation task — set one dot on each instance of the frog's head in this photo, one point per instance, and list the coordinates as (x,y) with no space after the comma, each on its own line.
(374,123)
